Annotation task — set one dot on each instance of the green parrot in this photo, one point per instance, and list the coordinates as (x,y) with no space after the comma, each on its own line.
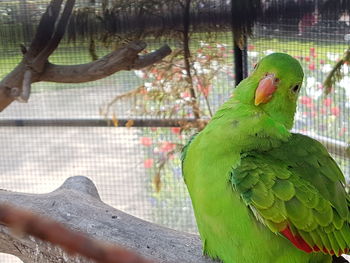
(259,192)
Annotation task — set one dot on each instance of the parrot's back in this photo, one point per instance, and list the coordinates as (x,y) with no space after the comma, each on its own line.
(228,227)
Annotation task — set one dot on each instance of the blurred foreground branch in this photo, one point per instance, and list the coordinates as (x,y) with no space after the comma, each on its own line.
(28,223)
(77,205)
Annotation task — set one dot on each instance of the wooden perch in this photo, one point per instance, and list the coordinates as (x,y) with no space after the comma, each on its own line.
(77,205)
(35,65)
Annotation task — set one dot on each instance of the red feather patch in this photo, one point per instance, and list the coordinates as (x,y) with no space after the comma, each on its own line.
(297,240)
(300,243)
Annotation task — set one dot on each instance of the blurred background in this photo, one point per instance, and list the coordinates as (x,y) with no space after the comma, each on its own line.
(126,131)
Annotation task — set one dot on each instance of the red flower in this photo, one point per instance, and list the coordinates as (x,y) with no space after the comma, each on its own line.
(323,111)
(159,76)
(146,141)
(167,147)
(312,52)
(204,89)
(251,47)
(312,66)
(327,102)
(143,91)
(307,58)
(322,61)
(148,163)
(185,94)
(335,111)
(342,131)
(307,101)
(154,129)
(176,130)
(305,113)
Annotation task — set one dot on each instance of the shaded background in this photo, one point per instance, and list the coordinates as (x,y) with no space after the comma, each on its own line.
(62,131)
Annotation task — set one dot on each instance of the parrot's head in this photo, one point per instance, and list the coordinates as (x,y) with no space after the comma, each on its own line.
(275,85)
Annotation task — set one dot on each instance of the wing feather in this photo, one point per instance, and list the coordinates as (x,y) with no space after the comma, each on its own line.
(297,190)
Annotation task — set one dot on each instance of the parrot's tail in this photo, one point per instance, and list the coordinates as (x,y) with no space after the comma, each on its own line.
(339,260)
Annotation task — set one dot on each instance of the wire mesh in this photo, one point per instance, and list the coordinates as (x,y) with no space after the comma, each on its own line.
(138,169)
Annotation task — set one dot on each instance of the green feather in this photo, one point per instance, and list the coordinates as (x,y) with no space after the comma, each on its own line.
(267,179)
(346,234)
(248,182)
(306,236)
(284,189)
(337,220)
(324,217)
(316,239)
(275,213)
(295,210)
(340,240)
(307,196)
(261,197)
(334,244)
(325,241)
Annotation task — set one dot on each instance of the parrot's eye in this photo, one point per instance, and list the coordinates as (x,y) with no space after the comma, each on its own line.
(296,88)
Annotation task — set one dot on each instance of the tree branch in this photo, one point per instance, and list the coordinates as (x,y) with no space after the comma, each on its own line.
(35,65)
(41,59)
(125,58)
(26,86)
(28,223)
(46,28)
(152,57)
(77,204)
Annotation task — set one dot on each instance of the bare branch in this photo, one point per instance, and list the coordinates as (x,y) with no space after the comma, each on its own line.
(125,58)
(39,62)
(23,49)
(28,223)
(26,87)
(46,28)
(35,65)
(151,58)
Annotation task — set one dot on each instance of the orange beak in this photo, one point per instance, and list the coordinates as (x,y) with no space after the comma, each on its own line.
(265,89)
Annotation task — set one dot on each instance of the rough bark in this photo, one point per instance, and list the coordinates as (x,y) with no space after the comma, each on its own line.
(77,204)
(125,58)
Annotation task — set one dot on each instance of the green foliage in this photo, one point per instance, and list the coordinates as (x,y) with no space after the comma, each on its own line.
(336,75)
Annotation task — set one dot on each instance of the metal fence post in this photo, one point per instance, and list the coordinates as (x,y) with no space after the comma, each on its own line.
(240,61)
